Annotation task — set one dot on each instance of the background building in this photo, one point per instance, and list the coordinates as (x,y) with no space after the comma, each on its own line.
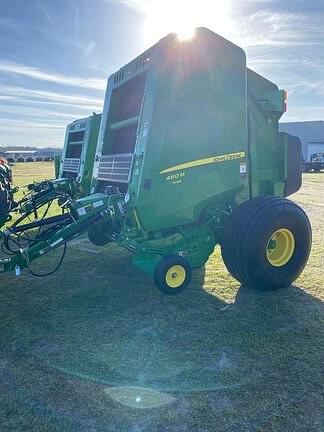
(311,134)
(25,154)
(21,155)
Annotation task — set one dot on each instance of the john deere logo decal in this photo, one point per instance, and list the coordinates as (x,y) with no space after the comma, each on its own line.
(206,161)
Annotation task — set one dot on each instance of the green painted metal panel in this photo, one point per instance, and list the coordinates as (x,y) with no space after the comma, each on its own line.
(198,91)
(267,159)
(57,161)
(90,153)
(79,150)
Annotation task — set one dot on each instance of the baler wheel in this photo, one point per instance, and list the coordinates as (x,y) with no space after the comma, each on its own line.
(98,234)
(172,274)
(266,242)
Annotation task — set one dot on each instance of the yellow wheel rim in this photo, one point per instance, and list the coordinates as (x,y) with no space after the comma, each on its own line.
(175,276)
(280,247)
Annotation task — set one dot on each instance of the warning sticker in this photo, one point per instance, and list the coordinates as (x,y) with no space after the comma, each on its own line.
(243,169)
(98,203)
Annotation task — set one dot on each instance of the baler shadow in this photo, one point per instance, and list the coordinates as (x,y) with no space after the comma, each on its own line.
(124,334)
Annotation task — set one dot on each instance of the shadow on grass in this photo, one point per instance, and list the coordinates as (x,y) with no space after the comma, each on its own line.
(96,340)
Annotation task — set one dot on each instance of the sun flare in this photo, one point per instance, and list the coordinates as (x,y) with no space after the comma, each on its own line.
(186,33)
(183,17)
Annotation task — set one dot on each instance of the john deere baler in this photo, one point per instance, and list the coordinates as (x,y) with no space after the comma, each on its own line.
(73,172)
(189,156)
(79,150)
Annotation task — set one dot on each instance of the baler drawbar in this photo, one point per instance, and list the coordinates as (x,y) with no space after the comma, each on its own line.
(80,216)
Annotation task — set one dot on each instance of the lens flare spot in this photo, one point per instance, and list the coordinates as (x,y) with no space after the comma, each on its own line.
(137,397)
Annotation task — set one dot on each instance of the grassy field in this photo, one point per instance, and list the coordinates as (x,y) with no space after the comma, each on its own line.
(95,347)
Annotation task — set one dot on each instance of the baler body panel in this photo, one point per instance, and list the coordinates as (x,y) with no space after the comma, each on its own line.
(266,151)
(119,126)
(79,150)
(196,137)
(192,111)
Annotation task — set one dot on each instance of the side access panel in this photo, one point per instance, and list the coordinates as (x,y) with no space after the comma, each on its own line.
(266,150)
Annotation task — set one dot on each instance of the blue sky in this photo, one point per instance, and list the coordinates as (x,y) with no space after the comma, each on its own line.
(56,55)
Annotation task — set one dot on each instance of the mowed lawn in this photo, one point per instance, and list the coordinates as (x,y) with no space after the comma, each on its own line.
(96,347)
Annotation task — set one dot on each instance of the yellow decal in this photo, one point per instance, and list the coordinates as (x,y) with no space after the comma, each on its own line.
(136,219)
(206,161)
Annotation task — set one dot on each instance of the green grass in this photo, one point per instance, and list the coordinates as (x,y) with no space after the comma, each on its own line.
(96,347)
(26,173)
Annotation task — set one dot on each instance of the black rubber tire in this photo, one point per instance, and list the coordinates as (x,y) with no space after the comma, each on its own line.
(98,234)
(161,270)
(245,239)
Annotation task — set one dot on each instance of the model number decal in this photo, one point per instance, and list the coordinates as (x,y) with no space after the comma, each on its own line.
(176,177)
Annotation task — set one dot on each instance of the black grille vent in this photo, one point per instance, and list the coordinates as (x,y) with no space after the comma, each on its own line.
(115,168)
(119,76)
(142,61)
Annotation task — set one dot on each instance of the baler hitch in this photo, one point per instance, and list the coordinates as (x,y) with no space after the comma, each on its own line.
(61,229)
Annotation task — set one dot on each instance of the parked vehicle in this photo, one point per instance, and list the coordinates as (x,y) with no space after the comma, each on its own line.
(316,163)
